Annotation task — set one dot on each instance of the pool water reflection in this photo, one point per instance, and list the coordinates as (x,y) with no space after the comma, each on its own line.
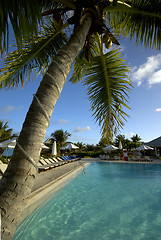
(112,201)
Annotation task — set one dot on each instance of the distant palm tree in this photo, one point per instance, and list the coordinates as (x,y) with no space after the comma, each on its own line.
(118,139)
(81,145)
(104,142)
(136,138)
(60,137)
(95,23)
(5,133)
(135,141)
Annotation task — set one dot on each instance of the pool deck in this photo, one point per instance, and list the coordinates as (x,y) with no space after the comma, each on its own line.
(54,174)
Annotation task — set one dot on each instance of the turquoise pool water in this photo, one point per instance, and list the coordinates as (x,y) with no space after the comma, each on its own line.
(112,201)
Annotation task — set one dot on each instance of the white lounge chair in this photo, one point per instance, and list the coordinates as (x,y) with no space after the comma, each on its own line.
(147,159)
(49,163)
(3,167)
(134,158)
(42,165)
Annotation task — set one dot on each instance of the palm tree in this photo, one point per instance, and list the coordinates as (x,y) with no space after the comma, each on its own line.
(118,139)
(95,24)
(81,145)
(60,137)
(136,138)
(104,142)
(5,133)
(135,141)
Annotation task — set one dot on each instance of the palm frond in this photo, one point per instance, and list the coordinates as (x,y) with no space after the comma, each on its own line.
(81,63)
(141,21)
(69,3)
(108,84)
(79,67)
(20,19)
(35,56)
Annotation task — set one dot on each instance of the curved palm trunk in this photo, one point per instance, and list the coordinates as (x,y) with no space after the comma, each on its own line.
(17,181)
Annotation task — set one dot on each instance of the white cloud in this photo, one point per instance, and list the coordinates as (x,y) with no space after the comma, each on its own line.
(149,71)
(155,78)
(8,109)
(158,109)
(61,121)
(129,135)
(79,129)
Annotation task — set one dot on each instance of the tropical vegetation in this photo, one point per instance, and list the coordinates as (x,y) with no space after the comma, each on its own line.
(45,44)
(129,144)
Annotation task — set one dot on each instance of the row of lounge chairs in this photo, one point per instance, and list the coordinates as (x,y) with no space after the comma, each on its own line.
(49,163)
(107,157)
(131,158)
(46,163)
(140,159)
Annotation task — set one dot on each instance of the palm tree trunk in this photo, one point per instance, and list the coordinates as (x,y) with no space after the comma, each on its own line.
(18,179)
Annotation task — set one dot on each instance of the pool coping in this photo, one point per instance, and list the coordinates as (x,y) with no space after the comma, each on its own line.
(41,195)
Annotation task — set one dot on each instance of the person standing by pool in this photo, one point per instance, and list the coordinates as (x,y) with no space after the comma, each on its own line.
(125,155)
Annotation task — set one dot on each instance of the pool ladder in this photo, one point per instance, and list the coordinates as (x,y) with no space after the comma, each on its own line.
(82,165)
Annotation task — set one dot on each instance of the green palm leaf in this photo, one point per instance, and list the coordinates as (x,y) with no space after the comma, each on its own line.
(35,56)
(108,83)
(81,63)
(79,67)
(22,18)
(140,21)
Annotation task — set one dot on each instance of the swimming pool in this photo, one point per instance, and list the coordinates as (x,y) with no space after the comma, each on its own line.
(112,201)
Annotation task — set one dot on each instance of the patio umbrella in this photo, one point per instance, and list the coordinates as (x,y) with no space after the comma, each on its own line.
(11,143)
(120,145)
(70,146)
(144,147)
(54,149)
(110,148)
(44,147)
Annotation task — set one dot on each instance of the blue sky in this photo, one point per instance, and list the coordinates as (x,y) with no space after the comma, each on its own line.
(72,111)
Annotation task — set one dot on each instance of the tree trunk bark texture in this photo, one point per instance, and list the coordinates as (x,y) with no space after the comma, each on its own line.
(17,182)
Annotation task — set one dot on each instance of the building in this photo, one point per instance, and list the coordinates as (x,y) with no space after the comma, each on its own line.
(156,143)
